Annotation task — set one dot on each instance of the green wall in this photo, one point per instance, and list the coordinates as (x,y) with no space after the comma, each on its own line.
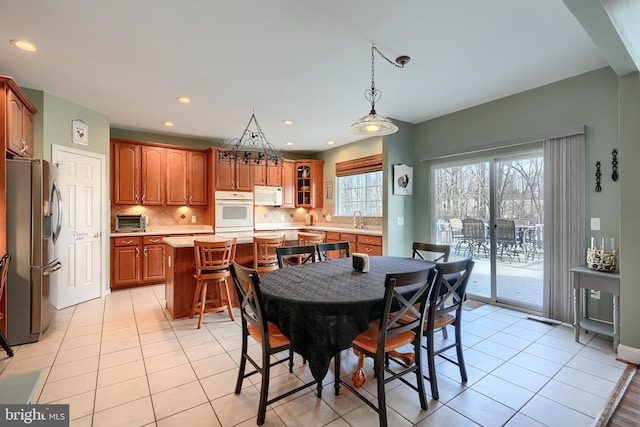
(590,99)
(629,212)
(162,139)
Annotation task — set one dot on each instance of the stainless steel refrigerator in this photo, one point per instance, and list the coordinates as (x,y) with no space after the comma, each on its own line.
(34,218)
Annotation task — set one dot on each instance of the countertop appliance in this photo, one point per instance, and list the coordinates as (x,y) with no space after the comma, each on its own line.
(131,222)
(34,220)
(233,212)
(267,196)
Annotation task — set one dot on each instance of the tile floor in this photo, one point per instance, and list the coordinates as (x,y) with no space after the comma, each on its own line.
(121,361)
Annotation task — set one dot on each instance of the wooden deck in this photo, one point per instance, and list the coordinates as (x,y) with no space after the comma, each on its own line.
(623,407)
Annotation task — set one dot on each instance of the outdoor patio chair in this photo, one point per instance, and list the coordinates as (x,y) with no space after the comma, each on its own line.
(474,236)
(507,239)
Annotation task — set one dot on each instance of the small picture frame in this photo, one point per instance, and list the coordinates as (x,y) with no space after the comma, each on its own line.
(79,132)
(402,180)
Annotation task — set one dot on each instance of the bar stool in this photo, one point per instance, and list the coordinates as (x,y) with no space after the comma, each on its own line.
(308,239)
(4,270)
(265,257)
(212,265)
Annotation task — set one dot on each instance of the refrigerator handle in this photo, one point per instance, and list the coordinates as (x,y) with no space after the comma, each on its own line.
(53,268)
(55,189)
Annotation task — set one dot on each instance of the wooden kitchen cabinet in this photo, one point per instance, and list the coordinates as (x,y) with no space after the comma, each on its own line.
(197,178)
(19,113)
(177,177)
(369,244)
(308,184)
(289,184)
(137,261)
(126,174)
(233,176)
(274,174)
(152,175)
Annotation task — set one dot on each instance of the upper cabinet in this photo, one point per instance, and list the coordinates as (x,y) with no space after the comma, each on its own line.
(18,113)
(289,184)
(233,176)
(152,175)
(309,176)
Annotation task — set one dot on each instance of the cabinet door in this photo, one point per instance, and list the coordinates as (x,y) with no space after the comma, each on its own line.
(259,174)
(153,175)
(126,267)
(14,124)
(126,174)
(244,177)
(225,174)
(197,178)
(317,183)
(177,177)
(288,184)
(153,263)
(274,174)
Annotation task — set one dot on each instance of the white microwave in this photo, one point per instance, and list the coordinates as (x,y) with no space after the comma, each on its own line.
(267,196)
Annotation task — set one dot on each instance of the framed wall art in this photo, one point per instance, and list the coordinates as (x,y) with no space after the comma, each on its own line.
(79,132)
(402,180)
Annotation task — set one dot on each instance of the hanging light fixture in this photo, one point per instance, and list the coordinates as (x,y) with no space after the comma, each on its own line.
(374,124)
(251,148)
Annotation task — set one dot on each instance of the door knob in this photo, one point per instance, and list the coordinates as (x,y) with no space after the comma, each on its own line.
(98,234)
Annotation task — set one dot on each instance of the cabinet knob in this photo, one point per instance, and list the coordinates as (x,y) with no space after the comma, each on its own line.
(137,252)
(145,251)
(143,196)
(190,198)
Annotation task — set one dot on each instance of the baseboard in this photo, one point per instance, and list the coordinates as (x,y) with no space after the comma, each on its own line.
(629,354)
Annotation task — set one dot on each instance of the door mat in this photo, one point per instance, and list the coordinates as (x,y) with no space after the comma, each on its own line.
(471,304)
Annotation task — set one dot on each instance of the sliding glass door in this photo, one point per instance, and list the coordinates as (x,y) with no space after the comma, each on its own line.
(492,210)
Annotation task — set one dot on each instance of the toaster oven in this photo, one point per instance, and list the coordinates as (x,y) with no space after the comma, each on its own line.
(131,222)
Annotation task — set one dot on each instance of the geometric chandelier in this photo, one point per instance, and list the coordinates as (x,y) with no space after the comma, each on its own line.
(374,124)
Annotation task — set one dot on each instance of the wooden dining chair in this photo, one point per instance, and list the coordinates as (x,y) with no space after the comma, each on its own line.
(212,265)
(267,334)
(4,271)
(431,251)
(264,253)
(445,307)
(386,334)
(333,250)
(295,255)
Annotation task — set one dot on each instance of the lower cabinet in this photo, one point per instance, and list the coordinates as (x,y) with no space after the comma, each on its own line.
(368,244)
(137,261)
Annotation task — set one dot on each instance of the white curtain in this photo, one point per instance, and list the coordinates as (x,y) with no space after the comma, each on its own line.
(564,227)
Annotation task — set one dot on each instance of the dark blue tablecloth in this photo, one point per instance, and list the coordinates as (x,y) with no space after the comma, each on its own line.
(322,307)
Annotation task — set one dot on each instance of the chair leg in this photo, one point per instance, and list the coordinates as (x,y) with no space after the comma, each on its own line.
(382,401)
(243,360)
(445,334)
(336,367)
(203,299)
(226,290)
(431,363)
(417,349)
(5,345)
(196,296)
(461,365)
(264,389)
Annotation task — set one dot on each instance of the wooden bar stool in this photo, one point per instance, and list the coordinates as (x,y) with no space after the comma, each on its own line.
(4,270)
(265,257)
(212,265)
(308,239)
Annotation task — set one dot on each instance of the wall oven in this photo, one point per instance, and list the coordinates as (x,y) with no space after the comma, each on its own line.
(233,212)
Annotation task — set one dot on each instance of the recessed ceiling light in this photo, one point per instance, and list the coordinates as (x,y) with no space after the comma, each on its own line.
(24,45)
(289,143)
(330,142)
(168,124)
(184,100)
(287,122)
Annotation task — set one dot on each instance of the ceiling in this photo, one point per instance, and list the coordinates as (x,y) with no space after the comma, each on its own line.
(308,61)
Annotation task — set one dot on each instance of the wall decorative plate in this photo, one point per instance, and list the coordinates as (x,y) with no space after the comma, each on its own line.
(79,132)
(402,180)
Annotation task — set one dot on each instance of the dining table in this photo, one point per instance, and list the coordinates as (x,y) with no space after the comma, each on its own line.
(321,307)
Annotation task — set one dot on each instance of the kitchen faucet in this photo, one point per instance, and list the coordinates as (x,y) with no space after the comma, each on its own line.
(355,225)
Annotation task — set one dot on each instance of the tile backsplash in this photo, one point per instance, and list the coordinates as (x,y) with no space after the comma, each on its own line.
(162,215)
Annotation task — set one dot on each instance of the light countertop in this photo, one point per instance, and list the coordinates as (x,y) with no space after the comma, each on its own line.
(167,231)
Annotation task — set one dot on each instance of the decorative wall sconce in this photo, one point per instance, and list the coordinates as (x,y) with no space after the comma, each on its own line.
(598,175)
(614,165)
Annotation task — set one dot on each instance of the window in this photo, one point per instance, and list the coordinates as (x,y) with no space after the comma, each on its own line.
(359,186)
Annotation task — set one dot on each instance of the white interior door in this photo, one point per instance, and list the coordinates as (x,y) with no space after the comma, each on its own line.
(80,244)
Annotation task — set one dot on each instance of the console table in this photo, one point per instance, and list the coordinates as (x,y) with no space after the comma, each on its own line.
(585,278)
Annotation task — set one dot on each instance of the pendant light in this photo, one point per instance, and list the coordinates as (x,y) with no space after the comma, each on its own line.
(374,124)
(251,148)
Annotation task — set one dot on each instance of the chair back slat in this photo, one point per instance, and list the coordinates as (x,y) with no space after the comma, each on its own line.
(265,257)
(333,250)
(213,256)
(450,287)
(295,255)
(402,314)
(432,252)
